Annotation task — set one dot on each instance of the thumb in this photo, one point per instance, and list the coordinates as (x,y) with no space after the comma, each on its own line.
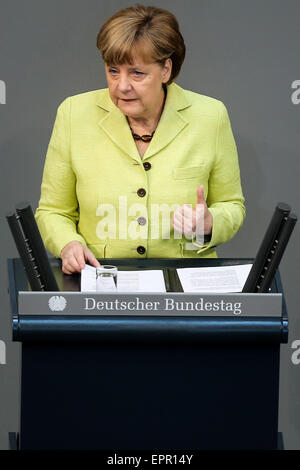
(200,195)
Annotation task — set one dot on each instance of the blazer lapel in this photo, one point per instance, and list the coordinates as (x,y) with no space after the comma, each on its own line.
(171,123)
(115,125)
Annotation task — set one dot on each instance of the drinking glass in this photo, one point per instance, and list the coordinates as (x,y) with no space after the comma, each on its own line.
(106,278)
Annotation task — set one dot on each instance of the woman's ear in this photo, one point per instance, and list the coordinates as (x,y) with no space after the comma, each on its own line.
(167,70)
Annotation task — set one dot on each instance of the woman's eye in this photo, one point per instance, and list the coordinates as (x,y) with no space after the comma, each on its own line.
(113,71)
(137,73)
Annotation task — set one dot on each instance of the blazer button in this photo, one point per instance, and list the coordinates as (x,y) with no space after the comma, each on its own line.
(141,250)
(147,165)
(141,192)
(142,221)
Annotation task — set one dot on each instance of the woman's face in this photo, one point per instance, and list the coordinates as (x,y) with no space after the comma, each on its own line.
(137,89)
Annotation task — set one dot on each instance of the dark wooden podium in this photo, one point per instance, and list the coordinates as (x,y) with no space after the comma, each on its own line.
(147,386)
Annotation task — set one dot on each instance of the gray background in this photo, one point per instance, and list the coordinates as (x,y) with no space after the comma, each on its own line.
(244,52)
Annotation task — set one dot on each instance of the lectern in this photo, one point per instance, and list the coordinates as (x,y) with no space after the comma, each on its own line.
(163,381)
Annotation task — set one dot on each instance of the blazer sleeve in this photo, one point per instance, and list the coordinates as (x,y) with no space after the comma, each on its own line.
(225,199)
(57,214)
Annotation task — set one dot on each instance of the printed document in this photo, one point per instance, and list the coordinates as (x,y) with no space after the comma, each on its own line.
(220,279)
(127,281)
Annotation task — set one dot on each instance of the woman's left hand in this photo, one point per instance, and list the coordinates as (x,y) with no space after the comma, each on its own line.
(191,221)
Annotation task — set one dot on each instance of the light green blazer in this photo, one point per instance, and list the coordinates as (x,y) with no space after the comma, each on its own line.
(93,175)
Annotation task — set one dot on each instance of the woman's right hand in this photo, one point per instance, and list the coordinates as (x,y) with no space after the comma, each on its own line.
(74,255)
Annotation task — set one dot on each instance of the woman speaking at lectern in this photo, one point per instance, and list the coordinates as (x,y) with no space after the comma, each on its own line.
(144,168)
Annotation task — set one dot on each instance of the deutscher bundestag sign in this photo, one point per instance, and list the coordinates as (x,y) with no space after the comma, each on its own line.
(159,304)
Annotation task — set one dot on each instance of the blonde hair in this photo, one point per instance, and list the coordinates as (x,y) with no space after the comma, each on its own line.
(151,32)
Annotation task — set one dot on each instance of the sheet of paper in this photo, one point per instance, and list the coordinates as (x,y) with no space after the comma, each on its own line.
(128,281)
(141,281)
(213,280)
(88,279)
